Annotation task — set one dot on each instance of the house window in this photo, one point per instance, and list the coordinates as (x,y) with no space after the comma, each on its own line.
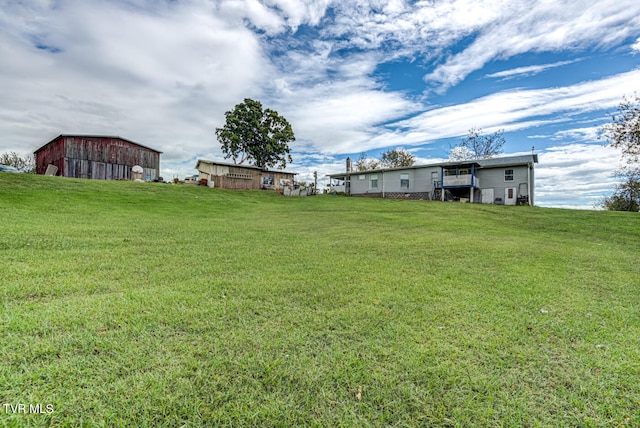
(361,177)
(508,175)
(374,181)
(456,172)
(404,181)
(435,177)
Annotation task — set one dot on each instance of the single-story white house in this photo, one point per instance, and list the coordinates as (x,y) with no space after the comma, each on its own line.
(505,180)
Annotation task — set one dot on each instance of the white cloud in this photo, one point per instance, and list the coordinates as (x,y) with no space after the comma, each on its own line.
(517,109)
(342,119)
(528,70)
(274,16)
(257,13)
(575,176)
(541,27)
(588,134)
(333,103)
(299,12)
(636,46)
(423,27)
(162,78)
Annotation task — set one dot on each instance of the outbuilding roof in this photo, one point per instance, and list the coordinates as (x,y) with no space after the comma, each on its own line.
(235,165)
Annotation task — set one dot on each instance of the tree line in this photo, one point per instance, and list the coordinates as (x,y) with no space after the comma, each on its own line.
(22,163)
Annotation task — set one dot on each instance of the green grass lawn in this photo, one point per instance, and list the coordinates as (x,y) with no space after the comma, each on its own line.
(157,305)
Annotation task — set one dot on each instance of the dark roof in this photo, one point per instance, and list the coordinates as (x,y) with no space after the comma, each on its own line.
(508,161)
(235,165)
(459,164)
(483,163)
(95,136)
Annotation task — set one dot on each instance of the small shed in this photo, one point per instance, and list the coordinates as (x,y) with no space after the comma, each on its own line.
(242,177)
(97,157)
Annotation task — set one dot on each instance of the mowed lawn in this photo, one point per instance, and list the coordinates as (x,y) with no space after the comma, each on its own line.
(140,304)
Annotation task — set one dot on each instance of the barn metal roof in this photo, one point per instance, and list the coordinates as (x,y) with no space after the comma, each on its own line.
(235,165)
(95,136)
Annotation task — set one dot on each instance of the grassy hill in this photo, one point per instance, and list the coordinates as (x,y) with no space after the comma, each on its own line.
(157,305)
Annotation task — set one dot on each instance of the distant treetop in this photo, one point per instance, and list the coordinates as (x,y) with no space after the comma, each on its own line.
(255,135)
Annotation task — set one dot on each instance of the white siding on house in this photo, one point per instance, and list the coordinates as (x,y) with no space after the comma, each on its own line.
(487,196)
(493,176)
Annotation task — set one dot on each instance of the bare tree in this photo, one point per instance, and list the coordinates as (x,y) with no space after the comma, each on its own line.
(460,153)
(478,146)
(624,130)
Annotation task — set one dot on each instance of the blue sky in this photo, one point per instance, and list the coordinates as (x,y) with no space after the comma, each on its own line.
(351,76)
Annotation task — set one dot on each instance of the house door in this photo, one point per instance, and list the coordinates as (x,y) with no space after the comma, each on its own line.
(510,195)
(487,196)
(435,176)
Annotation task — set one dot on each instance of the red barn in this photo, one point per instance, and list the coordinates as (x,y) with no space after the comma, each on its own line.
(97,157)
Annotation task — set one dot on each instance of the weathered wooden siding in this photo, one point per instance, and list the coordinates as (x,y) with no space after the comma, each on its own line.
(279,177)
(78,168)
(97,157)
(214,170)
(226,182)
(52,153)
(237,177)
(110,150)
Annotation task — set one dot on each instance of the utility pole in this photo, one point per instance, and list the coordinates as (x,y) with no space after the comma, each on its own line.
(347,183)
(315,182)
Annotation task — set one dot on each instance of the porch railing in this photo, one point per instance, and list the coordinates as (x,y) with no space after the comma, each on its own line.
(461,180)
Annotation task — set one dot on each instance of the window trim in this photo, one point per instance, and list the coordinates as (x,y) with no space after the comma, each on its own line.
(512,175)
(403,180)
(373,178)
